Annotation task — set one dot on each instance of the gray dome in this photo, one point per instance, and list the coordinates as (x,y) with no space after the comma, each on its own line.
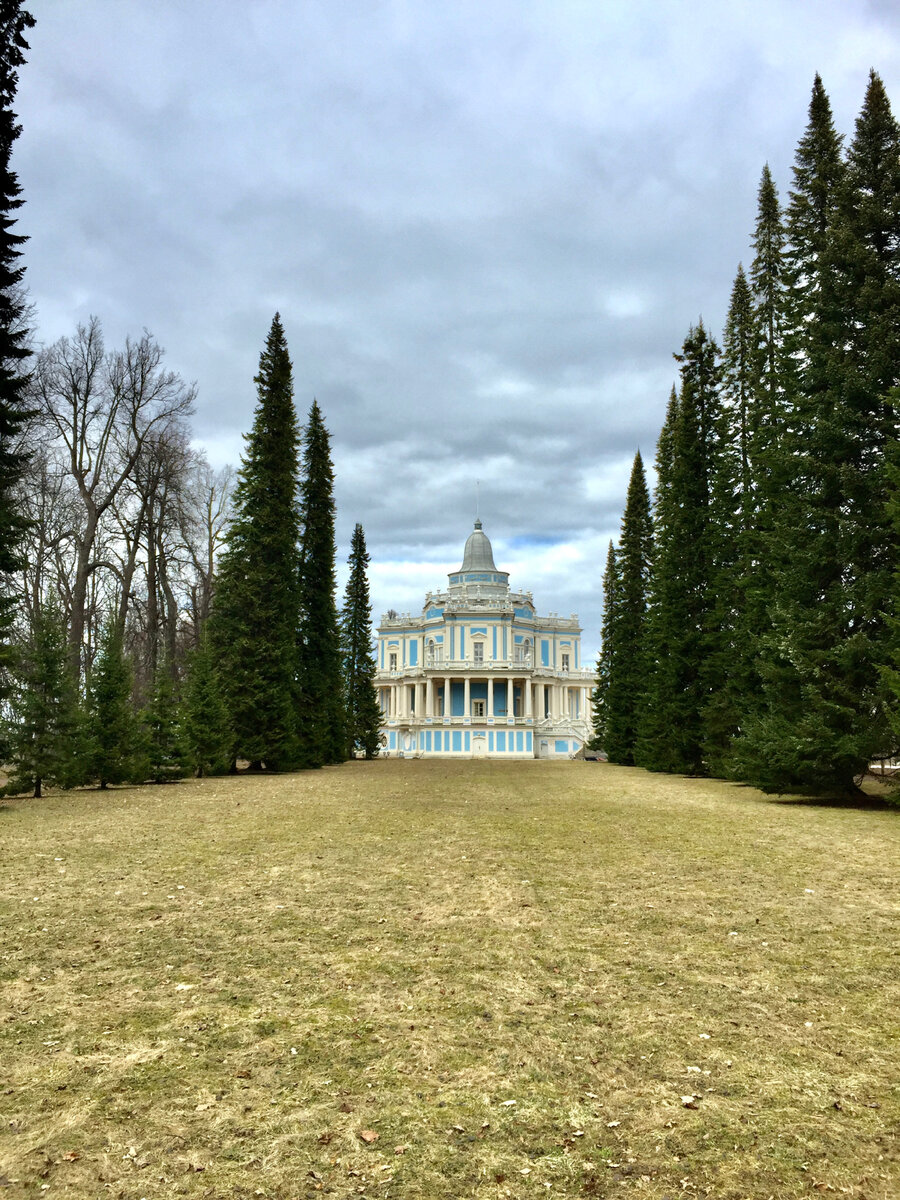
(478,555)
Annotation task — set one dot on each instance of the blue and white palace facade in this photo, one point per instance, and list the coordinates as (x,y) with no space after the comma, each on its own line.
(479,674)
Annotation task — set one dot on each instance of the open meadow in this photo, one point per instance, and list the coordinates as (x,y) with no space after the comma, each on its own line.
(446,979)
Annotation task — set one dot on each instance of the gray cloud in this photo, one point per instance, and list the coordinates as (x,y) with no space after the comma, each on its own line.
(486,227)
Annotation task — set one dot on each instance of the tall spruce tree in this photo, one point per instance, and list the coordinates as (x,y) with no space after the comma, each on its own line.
(606,657)
(256,607)
(116,752)
(728,668)
(206,730)
(362,714)
(824,715)
(673,731)
(164,736)
(322,733)
(47,739)
(14,21)
(628,669)
(652,749)
(767,474)
(890,665)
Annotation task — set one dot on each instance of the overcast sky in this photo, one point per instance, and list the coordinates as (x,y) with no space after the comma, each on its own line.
(487,224)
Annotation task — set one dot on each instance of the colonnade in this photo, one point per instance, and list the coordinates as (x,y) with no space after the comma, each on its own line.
(421,700)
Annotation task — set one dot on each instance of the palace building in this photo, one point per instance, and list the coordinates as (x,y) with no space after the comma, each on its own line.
(480,674)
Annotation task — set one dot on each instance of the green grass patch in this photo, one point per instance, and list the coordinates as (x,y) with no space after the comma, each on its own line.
(527,979)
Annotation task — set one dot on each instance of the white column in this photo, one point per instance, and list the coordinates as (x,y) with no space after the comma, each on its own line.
(429,697)
(509,697)
(526,685)
(467,702)
(446,695)
(490,696)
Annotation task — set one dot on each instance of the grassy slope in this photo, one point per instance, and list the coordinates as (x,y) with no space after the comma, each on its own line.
(213,989)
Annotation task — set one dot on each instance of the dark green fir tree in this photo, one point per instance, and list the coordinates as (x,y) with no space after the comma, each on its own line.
(652,750)
(206,731)
(890,666)
(824,715)
(628,670)
(673,729)
(47,738)
(732,556)
(164,737)
(14,21)
(116,752)
(322,733)
(362,714)
(606,657)
(256,608)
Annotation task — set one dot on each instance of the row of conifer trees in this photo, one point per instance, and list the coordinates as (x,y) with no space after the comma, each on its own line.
(751,614)
(279,678)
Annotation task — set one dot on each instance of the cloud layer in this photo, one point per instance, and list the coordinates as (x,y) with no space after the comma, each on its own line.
(486,227)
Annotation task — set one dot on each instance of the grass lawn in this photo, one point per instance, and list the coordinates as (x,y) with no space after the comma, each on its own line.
(438,979)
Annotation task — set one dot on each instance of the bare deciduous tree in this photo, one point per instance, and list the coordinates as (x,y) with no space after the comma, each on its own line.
(100,409)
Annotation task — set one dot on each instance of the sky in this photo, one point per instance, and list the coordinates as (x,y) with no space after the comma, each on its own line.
(487,226)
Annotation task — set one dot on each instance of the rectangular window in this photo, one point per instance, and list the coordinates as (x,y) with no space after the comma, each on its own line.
(477,708)
(478,653)
(393,662)
(565,662)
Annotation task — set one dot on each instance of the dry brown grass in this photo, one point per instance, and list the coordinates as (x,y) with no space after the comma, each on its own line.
(215,988)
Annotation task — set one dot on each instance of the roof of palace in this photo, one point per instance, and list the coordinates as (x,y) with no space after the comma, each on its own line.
(478,555)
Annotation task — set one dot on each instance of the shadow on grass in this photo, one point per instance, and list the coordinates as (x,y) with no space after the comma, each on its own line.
(863,802)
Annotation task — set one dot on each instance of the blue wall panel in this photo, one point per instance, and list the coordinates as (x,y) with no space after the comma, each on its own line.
(545,653)
(457,697)
(490,741)
(520,741)
(528,743)
(457,740)
(562,747)
(501,740)
(414,653)
(468,741)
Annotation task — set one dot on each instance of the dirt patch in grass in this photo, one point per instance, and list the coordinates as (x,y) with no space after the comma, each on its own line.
(523,979)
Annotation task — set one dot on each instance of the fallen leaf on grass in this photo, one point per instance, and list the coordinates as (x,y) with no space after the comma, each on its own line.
(400,1149)
(689,1101)
(72,1156)
(369,1136)
(507,1103)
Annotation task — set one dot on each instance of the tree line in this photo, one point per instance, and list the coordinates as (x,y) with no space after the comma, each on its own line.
(751,624)
(158,617)
(172,619)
